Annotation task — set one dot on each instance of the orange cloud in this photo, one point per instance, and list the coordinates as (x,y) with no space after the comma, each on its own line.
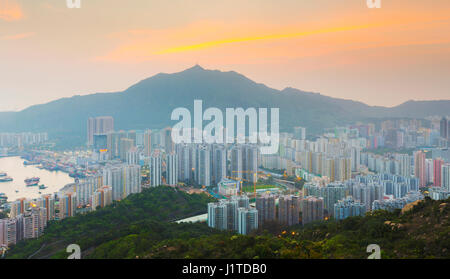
(147,44)
(257,38)
(254,42)
(10,10)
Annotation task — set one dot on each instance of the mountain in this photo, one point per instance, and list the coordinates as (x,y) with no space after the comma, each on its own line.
(149,103)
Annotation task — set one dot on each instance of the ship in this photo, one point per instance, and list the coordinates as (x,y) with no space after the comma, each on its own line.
(33,179)
(6,179)
(3,174)
(32,183)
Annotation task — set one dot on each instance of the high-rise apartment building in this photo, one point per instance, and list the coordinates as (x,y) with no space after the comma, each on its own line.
(155,165)
(168,143)
(265,204)
(47,202)
(124,180)
(203,165)
(34,222)
(8,232)
(98,126)
(250,163)
(67,205)
(429,173)
(312,209)
(185,169)
(419,167)
(437,171)
(289,210)
(445,176)
(347,208)
(300,133)
(404,164)
(86,187)
(125,145)
(147,143)
(247,220)
(236,162)
(132,156)
(219,163)
(242,200)
(217,216)
(172,169)
(102,197)
(18,207)
(444,128)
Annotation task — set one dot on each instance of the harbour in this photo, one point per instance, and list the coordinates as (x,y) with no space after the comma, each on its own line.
(14,168)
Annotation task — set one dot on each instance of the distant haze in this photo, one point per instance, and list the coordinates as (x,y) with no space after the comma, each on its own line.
(339,48)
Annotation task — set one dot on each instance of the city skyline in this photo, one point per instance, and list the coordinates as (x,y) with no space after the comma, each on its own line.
(378,56)
(239,130)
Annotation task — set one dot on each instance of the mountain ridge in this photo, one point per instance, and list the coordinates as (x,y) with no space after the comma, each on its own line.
(149,103)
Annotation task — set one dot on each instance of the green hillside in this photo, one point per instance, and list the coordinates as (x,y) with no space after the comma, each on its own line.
(146,216)
(423,232)
(141,227)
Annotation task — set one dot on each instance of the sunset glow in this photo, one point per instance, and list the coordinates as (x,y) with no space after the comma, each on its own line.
(318,46)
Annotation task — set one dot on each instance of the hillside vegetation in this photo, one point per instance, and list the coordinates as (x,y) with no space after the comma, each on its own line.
(146,216)
(421,232)
(142,226)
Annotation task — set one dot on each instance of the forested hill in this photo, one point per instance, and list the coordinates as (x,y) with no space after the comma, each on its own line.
(141,227)
(421,232)
(147,216)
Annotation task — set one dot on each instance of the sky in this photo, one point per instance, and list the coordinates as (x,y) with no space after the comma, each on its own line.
(381,56)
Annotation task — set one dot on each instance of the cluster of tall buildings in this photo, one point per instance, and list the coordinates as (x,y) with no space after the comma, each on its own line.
(209,164)
(398,164)
(430,171)
(348,207)
(234,214)
(286,213)
(363,193)
(397,203)
(287,210)
(28,218)
(115,180)
(407,133)
(29,224)
(98,126)
(21,139)
(444,126)
(326,156)
(123,180)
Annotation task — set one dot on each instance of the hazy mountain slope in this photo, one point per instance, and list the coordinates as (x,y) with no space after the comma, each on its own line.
(149,103)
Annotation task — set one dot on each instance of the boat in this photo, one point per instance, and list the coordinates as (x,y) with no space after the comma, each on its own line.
(33,179)
(32,183)
(42,186)
(3,174)
(6,179)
